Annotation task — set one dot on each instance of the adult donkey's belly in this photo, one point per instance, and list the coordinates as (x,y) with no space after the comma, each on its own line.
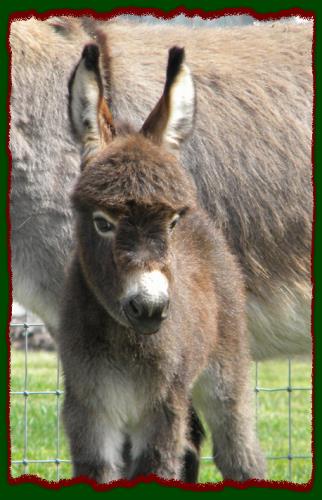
(280,325)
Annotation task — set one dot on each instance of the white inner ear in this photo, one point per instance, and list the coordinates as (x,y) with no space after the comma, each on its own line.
(182,107)
(85,99)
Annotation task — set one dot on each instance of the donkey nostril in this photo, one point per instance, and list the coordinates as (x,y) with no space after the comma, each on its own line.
(144,314)
(164,313)
(135,309)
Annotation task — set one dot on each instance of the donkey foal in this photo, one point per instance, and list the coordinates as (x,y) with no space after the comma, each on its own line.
(153,306)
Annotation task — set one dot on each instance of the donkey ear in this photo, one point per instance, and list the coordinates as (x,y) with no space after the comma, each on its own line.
(89,114)
(172,119)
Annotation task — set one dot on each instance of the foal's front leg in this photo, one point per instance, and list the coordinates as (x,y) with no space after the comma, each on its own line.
(225,398)
(158,445)
(95,445)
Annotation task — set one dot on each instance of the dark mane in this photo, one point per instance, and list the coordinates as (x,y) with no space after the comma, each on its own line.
(133,169)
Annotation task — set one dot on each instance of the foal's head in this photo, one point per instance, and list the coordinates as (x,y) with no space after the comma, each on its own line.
(131,194)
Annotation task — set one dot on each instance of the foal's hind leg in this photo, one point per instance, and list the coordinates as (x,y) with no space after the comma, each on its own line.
(225,399)
(191,460)
(159,442)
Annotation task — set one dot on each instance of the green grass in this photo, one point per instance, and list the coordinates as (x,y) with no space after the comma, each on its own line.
(273,420)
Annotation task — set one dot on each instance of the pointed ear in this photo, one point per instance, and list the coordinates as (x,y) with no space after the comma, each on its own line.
(89,114)
(172,119)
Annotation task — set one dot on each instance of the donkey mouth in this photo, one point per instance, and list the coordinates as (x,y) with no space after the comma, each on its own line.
(145,327)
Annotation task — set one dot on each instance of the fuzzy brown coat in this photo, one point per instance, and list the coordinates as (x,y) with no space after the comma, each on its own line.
(153,310)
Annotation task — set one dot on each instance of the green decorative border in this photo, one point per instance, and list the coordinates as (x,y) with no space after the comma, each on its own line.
(152,489)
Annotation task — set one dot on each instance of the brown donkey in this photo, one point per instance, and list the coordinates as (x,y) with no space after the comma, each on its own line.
(153,309)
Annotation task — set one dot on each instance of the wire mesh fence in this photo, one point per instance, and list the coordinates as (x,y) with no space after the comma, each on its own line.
(25,418)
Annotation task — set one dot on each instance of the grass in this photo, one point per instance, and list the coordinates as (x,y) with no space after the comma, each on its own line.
(41,413)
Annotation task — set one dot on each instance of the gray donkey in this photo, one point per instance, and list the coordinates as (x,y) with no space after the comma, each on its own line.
(153,310)
(250,154)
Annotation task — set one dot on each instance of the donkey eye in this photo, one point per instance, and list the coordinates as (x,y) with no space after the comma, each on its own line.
(102,225)
(174,221)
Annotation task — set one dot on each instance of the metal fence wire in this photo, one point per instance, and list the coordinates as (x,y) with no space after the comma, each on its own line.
(57,393)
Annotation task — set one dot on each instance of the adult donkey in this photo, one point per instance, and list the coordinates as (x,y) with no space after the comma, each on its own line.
(250,154)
